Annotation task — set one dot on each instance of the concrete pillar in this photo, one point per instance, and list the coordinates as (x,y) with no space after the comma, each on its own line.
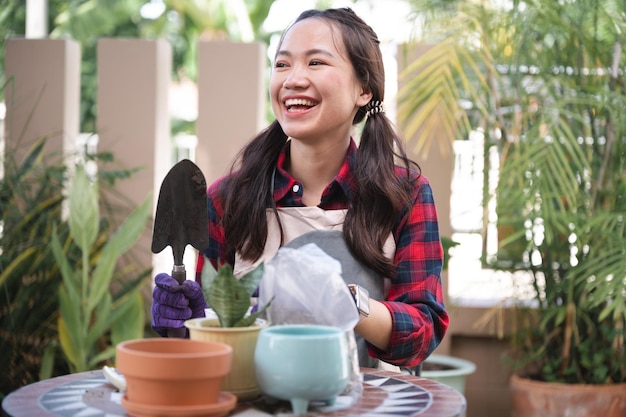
(436,165)
(42,97)
(133,123)
(231,102)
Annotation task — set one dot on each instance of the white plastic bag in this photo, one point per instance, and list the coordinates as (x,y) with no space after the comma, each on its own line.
(305,286)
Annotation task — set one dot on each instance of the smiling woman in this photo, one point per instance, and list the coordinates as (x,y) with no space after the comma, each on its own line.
(305,173)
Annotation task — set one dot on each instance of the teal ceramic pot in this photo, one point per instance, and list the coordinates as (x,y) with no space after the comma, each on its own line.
(300,363)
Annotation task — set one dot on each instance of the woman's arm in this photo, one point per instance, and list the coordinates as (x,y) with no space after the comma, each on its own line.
(415,300)
(376,328)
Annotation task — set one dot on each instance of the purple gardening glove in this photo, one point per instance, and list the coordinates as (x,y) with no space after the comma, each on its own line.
(173,303)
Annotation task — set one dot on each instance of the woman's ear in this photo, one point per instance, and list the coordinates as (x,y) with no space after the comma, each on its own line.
(364,98)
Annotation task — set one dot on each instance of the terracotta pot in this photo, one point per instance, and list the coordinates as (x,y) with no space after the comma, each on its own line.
(173,372)
(241,380)
(532,398)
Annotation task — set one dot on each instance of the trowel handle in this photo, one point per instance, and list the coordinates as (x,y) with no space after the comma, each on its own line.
(179,333)
(180,275)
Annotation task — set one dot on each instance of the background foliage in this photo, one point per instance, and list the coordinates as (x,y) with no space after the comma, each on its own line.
(544,81)
(31,211)
(93,319)
(30,203)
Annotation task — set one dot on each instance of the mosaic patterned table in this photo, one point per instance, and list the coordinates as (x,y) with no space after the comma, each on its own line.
(385,394)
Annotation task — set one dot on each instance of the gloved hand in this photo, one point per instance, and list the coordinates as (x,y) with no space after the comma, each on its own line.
(173,303)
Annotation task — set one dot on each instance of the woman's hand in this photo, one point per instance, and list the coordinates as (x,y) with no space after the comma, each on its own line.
(174,303)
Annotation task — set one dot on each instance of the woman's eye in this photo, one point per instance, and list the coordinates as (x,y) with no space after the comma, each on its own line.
(280,65)
(315,62)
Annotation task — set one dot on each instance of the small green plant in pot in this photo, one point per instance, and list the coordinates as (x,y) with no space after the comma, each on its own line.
(230,299)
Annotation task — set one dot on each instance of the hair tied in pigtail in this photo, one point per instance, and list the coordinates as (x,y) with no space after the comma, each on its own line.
(374,107)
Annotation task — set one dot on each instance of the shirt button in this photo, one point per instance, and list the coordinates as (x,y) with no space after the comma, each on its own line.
(296,188)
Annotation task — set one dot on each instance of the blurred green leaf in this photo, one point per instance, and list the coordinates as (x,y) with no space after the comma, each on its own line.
(128,233)
(129,322)
(85,215)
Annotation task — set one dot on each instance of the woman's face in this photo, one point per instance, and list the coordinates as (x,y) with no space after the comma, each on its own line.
(314,90)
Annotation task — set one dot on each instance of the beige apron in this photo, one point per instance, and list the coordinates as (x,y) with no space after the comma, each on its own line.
(303,225)
(296,222)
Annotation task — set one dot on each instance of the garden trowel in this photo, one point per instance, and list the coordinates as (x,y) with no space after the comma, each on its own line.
(181,217)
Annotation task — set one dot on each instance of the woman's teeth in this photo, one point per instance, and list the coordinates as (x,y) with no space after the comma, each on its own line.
(298,105)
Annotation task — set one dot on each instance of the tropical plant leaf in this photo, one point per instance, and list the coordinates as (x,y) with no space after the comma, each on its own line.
(104,355)
(251,280)
(129,319)
(247,321)
(251,318)
(47,362)
(84,212)
(67,273)
(16,263)
(69,344)
(228,298)
(126,236)
(101,320)
(133,281)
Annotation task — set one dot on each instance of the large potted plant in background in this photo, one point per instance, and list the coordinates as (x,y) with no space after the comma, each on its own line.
(545,81)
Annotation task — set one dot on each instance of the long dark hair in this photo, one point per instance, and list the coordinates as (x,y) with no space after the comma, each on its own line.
(382,193)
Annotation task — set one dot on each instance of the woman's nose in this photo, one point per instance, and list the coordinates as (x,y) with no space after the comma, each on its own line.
(296,78)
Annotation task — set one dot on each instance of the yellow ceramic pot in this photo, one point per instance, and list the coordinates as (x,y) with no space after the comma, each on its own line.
(241,380)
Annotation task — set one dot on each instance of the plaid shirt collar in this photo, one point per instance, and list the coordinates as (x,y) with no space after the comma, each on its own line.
(341,189)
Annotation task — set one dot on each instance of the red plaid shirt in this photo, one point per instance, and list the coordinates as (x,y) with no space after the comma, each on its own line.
(415,297)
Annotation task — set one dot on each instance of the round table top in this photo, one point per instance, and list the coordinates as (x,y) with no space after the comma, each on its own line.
(385,393)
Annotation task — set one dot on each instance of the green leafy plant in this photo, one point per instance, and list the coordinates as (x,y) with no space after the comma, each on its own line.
(447,244)
(31,207)
(30,203)
(91,322)
(230,297)
(551,102)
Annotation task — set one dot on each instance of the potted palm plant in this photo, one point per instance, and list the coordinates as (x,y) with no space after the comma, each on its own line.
(231,321)
(544,80)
